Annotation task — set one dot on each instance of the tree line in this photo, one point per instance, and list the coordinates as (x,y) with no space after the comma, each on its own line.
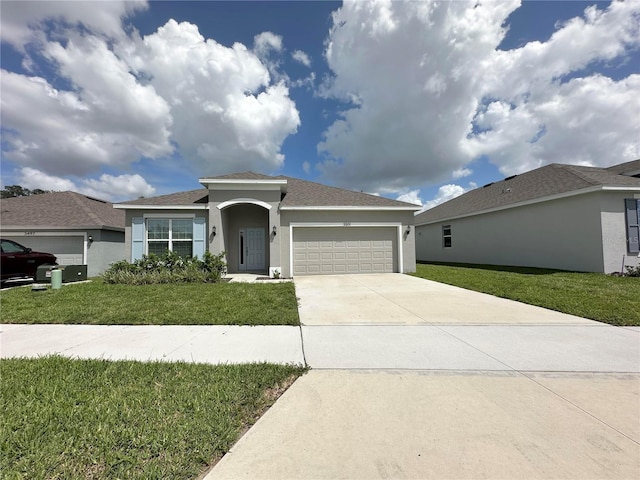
(11,191)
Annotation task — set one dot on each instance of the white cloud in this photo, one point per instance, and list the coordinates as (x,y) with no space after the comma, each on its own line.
(427,91)
(106,187)
(301,57)
(462,172)
(112,123)
(412,196)
(133,97)
(226,114)
(32,179)
(589,121)
(266,42)
(306,166)
(21,21)
(445,193)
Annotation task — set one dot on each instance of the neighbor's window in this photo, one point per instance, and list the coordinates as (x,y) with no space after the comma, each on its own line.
(174,234)
(446,236)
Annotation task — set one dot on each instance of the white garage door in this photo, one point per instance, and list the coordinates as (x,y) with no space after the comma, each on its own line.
(68,250)
(335,250)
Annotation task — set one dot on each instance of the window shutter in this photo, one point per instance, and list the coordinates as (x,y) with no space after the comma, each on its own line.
(632,208)
(137,238)
(199,237)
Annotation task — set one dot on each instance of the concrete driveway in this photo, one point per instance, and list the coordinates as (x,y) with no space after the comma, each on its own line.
(415,379)
(397,299)
(403,322)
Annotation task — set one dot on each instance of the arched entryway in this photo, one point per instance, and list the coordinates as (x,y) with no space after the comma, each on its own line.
(246,236)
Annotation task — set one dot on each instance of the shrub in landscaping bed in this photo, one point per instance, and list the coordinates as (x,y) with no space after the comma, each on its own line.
(168,268)
(633,271)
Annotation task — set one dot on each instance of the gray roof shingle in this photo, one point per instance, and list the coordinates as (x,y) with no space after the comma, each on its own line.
(299,193)
(302,193)
(553,179)
(59,209)
(632,167)
(191,197)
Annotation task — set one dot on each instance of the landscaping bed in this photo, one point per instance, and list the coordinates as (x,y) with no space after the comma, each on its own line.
(85,419)
(97,303)
(605,298)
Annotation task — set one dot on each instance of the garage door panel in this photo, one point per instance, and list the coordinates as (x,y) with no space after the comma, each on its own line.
(334,250)
(69,250)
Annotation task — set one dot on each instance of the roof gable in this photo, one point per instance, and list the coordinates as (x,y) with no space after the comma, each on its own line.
(60,209)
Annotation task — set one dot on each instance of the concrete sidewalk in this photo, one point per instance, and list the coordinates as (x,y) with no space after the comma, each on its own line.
(444,425)
(214,344)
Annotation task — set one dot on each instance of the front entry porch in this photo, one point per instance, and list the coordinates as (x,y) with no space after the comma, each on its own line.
(245,228)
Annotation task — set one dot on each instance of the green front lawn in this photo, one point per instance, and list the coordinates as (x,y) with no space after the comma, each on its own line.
(96,303)
(95,419)
(614,300)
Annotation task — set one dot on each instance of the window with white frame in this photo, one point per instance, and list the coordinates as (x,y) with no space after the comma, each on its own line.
(170,234)
(446,236)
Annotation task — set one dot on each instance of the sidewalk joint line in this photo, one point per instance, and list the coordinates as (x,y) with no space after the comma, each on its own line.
(524,374)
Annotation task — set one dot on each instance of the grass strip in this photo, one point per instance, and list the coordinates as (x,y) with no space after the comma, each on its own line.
(96,303)
(85,419)
(605,298)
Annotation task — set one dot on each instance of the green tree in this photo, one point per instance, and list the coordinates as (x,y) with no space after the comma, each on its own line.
(11,191)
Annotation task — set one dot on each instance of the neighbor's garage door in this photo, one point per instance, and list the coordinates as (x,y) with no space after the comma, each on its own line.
(335,250)
(68,250)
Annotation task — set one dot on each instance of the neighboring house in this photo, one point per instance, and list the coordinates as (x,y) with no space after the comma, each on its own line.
(269,224)
(559,216)
(77,229)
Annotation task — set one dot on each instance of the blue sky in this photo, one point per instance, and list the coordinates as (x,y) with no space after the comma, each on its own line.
(411,100)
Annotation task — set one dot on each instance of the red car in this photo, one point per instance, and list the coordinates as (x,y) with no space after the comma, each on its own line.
(19,261)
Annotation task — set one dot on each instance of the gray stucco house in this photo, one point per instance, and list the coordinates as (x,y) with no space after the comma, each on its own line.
(77,229)
(268,224)
(559,216)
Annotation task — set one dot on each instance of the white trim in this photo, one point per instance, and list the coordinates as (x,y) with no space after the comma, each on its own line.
(42,234)
(238,201)
(397,225)
(243,184)
(161,207)
(353,208)
(598,188)
(231,181)
(169,215)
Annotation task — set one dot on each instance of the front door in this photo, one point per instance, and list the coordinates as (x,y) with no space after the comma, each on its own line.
(251,249)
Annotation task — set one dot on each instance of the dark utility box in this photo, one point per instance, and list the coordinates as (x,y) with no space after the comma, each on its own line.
(43,273)
(70,273)
(73,273)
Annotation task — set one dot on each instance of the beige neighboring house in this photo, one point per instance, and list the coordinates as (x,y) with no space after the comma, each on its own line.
(276,225)
(559,216)
(77,229)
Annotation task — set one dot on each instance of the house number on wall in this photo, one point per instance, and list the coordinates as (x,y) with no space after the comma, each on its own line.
(347,224)
(29,234)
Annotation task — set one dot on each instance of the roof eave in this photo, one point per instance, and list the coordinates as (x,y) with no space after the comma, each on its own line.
(351,208)
(58,227)
(597,188)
